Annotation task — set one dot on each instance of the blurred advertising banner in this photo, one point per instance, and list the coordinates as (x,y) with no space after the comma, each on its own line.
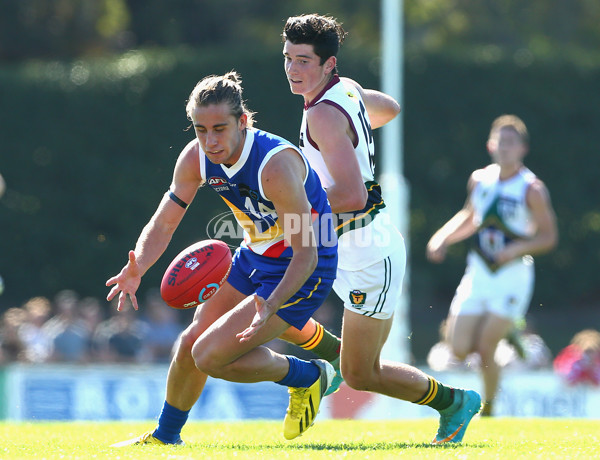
(132,392)
(126,392)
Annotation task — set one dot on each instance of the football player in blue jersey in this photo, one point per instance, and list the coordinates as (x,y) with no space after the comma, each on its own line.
(280,275)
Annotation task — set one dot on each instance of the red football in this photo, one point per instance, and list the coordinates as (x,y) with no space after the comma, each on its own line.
(196,274)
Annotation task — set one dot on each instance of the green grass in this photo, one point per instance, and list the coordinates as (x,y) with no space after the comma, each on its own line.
(330,439)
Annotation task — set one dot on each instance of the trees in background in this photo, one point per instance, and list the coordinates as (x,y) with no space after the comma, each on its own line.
(92,97)
(66,29)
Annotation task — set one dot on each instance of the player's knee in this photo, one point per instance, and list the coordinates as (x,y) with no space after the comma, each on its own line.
(182,349)
(206,360)
(186,340)
(182,355)
(356,378)
(359,382)
(486,351)
(461,351)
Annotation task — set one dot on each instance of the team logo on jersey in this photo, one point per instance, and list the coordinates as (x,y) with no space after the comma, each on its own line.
(218,183)
(357,298)
(507,207)
(215,181)
(247,191)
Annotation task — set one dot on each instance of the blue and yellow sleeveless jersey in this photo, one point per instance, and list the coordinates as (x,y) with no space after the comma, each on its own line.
(241,188)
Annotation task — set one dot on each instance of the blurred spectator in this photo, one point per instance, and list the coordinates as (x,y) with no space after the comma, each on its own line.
(92,314)
(121,338)
(12,347)
(38,343)
(163,327)
(67,330)
(579,362)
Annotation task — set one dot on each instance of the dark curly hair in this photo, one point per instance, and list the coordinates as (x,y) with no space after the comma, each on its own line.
(323,32)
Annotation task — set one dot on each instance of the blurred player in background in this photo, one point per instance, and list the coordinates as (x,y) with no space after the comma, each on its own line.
(508,209)
(336,138)
(279,277)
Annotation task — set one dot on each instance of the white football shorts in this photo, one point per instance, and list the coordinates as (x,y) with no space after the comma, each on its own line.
(373,291)
(506,292)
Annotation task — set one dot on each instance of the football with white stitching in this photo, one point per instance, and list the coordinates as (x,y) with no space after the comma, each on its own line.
(196,274)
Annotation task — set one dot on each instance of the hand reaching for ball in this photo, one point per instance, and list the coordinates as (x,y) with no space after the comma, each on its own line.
(126,283)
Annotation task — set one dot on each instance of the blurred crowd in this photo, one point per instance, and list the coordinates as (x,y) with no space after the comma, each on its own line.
(579,362)
(74,329)
(71,329)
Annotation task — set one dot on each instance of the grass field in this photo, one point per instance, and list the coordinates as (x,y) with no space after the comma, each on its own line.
(329,439)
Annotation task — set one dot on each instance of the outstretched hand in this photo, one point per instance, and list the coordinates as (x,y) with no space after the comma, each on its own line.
(436,251)
(126,283)
(264,310)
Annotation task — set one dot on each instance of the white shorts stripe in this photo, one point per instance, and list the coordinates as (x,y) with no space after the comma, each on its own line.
(386,286)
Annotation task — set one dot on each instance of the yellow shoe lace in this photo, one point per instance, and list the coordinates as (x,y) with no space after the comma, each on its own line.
(147,438)
(297,396)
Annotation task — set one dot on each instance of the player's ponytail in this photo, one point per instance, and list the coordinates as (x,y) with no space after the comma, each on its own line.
(220,89)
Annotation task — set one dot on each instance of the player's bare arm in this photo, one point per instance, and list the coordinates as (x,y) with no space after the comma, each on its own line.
(546,236)
(283,184)
(330,129)
(458,228)
(381,107)
(157,233)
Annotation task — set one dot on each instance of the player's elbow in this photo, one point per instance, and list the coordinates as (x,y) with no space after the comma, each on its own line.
(393,109)
(356,205)
(360,198)
(547,241)
(312,259)
(350,202)
(390,111)
(308,259)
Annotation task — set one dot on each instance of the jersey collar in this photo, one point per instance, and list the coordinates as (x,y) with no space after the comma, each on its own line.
(238,165)
(334,80)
